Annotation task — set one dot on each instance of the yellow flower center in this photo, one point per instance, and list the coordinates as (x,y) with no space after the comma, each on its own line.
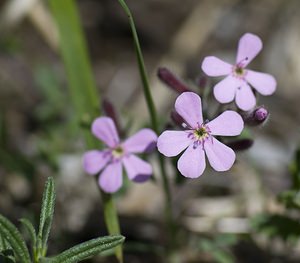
(117,152)
(201,133)
(239,71)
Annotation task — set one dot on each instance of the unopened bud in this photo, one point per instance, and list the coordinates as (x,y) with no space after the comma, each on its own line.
(256,117)
(110,111)
(201,82)
(172,81)
(177,119)
(240,144)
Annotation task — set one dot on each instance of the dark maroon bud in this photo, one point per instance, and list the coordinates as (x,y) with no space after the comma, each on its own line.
(256,117)
(172,81)
(201,82)
(177,119)
(110,111)
(240,144)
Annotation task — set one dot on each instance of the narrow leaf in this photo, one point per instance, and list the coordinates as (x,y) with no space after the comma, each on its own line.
(82,87)
(12,235)
(112,221)
(3,244)
(7,256)
(87,249)
(47,211)
(74,53)
(6,252)
(30,229)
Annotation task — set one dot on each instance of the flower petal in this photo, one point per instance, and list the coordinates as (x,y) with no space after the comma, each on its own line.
(94,161)
(192,162)
(229,123)
(110,180)
(105,130)
(264,83)
(171,143)
(220,156)
(214,67)
(245,98)
(137,169)
(249,46)
(188,106)
(225,90)
(143,140)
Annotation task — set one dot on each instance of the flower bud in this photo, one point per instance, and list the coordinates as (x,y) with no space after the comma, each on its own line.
(240,144)
(173,82)
(177,119)
(110,111)
(201,82)
(256,117)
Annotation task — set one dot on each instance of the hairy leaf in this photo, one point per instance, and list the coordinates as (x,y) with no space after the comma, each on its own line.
(30,228)
(82,86)
(7,256)
(47,211)
(87,249)
(12,235)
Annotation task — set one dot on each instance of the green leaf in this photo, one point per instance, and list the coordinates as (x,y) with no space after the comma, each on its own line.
(32,233)
(275,225)
(290,198)
(74,53)
(295,170)
(216,250)
(46,216)
(7,256)
(224,240)
(112,221)
(12,235)
(222,256)
(87,249)
(3,244)
(84,94)
(6,252)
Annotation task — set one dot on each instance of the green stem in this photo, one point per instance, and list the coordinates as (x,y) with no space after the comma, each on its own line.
(82,87)
(142,68)
(152,111)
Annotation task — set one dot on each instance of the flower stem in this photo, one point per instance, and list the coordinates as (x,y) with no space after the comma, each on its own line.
(142,68)
(153,115)
(82,88)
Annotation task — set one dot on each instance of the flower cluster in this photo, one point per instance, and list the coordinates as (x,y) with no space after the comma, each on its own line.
(197,140)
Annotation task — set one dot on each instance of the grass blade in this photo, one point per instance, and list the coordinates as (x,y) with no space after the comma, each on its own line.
(84,95)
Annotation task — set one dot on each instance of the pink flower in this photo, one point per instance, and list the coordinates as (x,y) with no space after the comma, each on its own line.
(198,138)
(110,161)
(236,84)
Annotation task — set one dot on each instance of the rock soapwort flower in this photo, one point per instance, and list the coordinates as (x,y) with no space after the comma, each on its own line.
(198,138)
(237,83)
(109,162)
